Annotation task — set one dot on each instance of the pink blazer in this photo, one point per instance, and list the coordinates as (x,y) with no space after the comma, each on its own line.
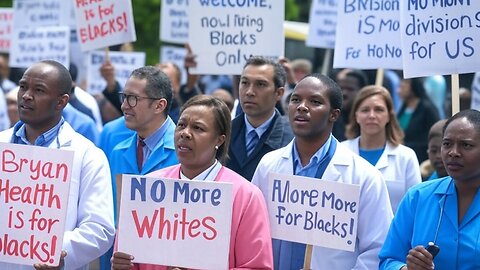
(250,238)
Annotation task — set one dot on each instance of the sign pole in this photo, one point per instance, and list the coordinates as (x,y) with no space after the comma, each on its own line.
(379,78)
(308,257)
(455,94)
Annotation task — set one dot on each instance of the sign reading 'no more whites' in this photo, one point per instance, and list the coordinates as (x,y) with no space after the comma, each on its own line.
(175,222)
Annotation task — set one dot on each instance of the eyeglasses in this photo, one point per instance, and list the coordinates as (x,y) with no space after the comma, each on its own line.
(132,100)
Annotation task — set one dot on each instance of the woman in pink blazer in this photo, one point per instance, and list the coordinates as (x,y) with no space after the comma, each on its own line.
(202,136)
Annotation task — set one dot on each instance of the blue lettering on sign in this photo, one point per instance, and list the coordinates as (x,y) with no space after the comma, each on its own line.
(195,195)
(139,186)
(424,4)
(371,5)
(385,51)
(314,221)
(467,48)
(223,58)
(235,3)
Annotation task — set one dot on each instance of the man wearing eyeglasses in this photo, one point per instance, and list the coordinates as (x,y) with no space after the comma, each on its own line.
(146,100)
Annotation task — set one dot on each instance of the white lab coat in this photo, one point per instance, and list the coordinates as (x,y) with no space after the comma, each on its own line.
(399,167)
(4,119)
(89,228)
(374,215)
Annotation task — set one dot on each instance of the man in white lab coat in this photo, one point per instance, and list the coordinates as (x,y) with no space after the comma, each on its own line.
(313,109)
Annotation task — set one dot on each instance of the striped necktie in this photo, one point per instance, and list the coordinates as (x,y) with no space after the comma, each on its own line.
(252,143)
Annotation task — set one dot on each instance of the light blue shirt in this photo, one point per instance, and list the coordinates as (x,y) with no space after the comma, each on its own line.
(45,139)
(311,169)
(418,219)
(260,129)
(152,140)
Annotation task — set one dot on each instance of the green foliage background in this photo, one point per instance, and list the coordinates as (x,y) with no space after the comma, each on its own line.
(147,22)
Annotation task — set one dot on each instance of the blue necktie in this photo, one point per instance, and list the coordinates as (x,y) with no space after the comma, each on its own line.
(252,143)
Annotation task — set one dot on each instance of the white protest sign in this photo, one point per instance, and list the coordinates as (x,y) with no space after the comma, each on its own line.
(174,21)
(34,191)
(31,45)
(104,23)
(223,35)
(176,222)
(38,13)
(124,63)
(440,37)
(312,211)
(175,55)
(368,35)
(322,24)
(6,19)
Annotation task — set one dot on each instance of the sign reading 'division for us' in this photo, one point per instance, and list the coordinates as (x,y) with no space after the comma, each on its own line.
(440,37)
(368,34)
(224,34)
(322,24)
(312,211)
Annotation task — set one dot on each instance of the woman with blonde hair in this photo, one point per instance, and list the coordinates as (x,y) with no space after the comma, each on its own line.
(375,134)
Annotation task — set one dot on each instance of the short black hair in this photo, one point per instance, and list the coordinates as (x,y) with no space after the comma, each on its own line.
(279,74)
(334,91)
(64,78)
(158,84)
(473,116)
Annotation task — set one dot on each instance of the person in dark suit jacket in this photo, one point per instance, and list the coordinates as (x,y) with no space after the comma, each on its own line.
(261,87)
(416,116)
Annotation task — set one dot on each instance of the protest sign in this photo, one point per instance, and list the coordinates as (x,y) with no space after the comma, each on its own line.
(40,13)
(104,23)
(162,220)
(440,37)
(368,35)
(34,192)
(174,21)
(175,55)
(312,211)
(322,24)
(31,45)
(6,15)
(124,63)
(223,35)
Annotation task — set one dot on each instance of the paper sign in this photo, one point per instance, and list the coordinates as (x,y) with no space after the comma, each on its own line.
(124,63)
(104,23)
(175,55)
(174,21)
(322,24)
(31,45)
(368,35)
(34,191)
(224,34)
(176,222)
(440,37)
(313,211)
(39,13)
(6,17)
